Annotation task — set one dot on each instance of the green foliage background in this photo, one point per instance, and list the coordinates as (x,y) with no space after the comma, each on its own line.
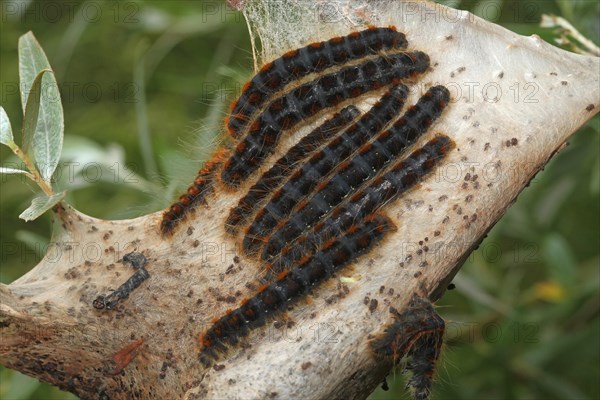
(146,83)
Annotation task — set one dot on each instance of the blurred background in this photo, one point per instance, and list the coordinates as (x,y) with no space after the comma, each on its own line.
(145,86)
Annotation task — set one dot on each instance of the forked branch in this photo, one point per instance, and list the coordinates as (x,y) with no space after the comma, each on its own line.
(359,178)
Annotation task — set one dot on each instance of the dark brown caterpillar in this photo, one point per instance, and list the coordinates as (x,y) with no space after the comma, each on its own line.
(416,333)
(286,164)
(292,285)
(308,176)
(310,99)
(370,159)
(316,209)
(195,195)
(399,179)
(296,64)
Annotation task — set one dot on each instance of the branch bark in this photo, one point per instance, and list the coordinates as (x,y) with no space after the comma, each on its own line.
(146,344)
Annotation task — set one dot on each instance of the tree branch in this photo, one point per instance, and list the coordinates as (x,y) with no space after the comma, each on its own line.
(72,323)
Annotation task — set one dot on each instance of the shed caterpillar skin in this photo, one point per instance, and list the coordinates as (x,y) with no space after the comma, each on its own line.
(138,261)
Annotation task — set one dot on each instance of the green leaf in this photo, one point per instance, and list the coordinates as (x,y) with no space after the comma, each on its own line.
(46,142)
(488,9)
(595,178)
(32,60)
(40,205)
(566,8)
(18,386)
(6,135)
(31,115)
(559,258)
(35,242)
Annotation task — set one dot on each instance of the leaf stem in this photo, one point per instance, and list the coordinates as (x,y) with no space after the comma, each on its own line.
(566,29)
(34,174)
